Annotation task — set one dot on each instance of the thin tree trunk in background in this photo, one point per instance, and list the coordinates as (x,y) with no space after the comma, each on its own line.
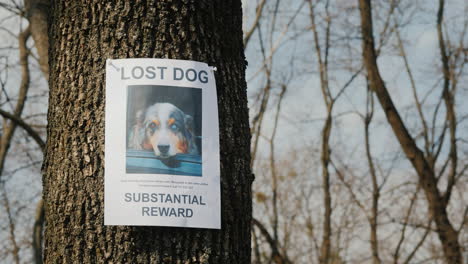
(326,246)
(274,173)
(437,206)
(9,126)
(82,36)
(15,251)
(38,229)
(37,13)
(374,215)
(449,99)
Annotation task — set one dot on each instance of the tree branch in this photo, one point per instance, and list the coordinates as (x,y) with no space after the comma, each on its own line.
(18,121)
(280,259)
(255,24)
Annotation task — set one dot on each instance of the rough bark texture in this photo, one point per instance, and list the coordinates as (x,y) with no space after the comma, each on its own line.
(448,236)
(83,34)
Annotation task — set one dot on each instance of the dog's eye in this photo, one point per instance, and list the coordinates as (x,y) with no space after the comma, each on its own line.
(152,126)
(174,127)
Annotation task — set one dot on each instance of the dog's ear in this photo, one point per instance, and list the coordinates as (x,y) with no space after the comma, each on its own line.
(188,119)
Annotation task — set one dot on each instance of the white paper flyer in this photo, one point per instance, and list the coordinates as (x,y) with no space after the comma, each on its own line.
(161,144)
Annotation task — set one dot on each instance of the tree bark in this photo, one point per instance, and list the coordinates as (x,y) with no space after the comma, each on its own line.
(82,36)
(448,236)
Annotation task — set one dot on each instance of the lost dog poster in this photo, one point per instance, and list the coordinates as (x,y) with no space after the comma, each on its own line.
(161,144)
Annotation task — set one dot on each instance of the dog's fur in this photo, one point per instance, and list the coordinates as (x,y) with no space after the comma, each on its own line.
(164,129)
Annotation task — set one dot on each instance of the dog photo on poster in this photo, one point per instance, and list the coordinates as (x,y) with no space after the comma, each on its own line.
(164,130)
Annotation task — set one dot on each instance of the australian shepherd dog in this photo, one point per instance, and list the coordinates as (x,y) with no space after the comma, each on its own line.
(164,129)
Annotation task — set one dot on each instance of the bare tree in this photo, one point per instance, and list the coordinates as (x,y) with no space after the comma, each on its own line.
(436,201)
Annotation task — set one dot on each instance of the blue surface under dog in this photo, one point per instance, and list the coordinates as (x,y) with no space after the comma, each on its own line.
(146,162)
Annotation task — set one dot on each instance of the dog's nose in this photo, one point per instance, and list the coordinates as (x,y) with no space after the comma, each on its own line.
(163,148)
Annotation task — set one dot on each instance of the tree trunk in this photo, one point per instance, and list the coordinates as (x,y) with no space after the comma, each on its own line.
(37,12)
(82,36)
(448,236)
